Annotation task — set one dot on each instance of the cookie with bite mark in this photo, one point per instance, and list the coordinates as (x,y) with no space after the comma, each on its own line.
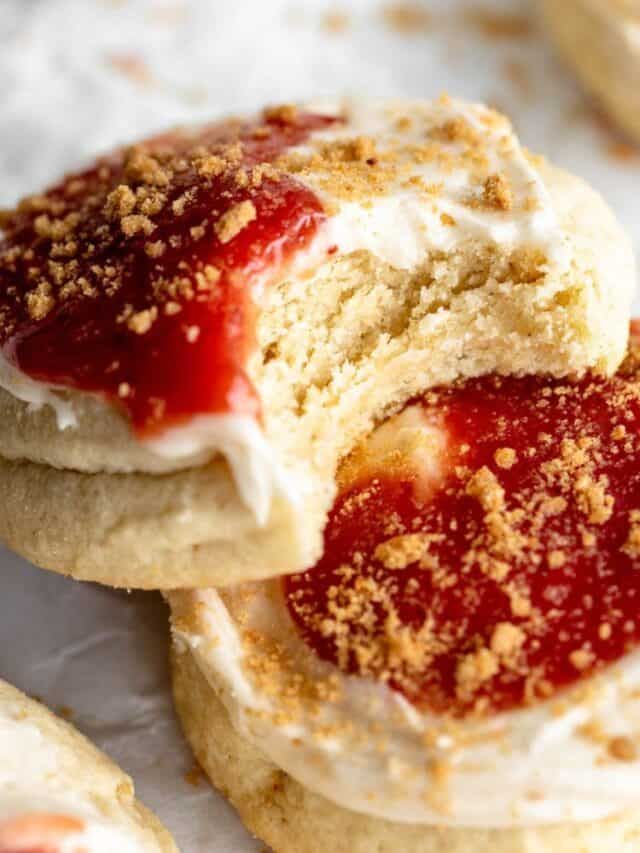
(460,669)
(194,331)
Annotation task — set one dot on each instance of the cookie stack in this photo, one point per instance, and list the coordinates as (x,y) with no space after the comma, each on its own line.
(344,380)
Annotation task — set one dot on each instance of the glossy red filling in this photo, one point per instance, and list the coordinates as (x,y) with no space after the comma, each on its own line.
(192,359)
(567,588)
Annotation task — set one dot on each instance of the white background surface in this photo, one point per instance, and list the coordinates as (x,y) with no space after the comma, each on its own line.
(79,75)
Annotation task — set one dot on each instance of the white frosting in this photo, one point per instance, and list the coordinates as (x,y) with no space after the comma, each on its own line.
(35,393)
(241,441)
(518,768)
(400,228)
(34,781)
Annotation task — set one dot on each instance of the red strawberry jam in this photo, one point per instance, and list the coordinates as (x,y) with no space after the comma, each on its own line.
(41,833)
(513,572)
(134,279)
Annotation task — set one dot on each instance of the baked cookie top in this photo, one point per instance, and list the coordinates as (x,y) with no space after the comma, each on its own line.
(472,624)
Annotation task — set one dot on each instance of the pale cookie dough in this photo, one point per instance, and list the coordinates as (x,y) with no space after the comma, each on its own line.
(506,264)
(600,40)
(59,793)
(292,819)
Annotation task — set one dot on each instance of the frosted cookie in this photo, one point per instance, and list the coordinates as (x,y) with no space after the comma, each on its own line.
(195,330)
(460,670)
(600,40)
(59,794)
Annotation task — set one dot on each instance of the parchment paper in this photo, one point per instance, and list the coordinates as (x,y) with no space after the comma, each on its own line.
(77,76)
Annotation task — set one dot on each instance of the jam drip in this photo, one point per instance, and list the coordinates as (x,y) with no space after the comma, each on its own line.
(514,574)
(135,279)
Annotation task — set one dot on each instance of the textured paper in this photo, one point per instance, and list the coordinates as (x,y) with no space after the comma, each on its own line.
(77,76)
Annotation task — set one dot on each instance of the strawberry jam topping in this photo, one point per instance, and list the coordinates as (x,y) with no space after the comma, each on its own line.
(512,573)
(41,833)
(135,279)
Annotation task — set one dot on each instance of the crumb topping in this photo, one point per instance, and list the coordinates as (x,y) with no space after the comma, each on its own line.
(511,577)
(125,251)
(96,269)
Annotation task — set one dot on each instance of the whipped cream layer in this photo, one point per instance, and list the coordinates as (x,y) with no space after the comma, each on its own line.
(436,198)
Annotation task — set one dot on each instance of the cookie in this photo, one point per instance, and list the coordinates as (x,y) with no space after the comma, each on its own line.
(598,40)
(290,818)
(59,793)
(460,668)
(195,330)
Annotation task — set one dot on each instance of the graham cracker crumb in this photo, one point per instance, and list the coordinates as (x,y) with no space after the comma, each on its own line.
(406,18)
(285,113)
(475,669)
(141,322)
(581,659)
(400,551)
(497,192)
(506,457)
(234,220)
(622,748)
(507,640)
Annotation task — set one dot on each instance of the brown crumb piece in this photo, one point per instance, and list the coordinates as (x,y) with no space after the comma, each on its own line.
(497,192)
(136,223)
(474,669)
(335,21)
(507,640)
(406,18)
(632,546)
(619,432)
(209,167)
(605,631)
(286,113)
(499,25)
(141,322)
(40,301)
(400,551)
(622,749)
(556,559)
(155,250)
(581,659)
(505,457)
(234,220)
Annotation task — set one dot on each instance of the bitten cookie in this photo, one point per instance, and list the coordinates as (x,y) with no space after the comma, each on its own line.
(600,40)
(195,330)
(460,669)
(59,794)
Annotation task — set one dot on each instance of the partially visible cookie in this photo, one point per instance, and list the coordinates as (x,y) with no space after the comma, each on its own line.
(292,819)
(59,794)
(600,40)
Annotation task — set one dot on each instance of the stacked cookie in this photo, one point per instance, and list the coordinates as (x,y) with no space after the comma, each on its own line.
(600,41)
(354,366)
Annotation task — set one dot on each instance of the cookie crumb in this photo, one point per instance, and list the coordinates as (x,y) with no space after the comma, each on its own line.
(234,220)
(622,748)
